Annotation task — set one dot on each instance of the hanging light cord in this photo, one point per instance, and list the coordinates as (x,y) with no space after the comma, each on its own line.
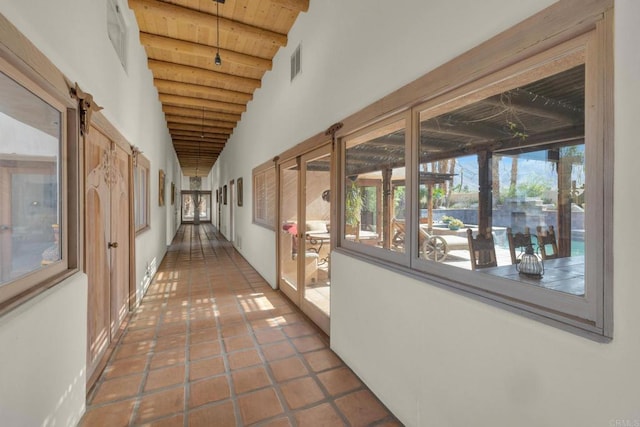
(218,60)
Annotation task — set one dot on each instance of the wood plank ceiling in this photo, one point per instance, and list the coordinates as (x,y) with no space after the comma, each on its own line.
(202,101)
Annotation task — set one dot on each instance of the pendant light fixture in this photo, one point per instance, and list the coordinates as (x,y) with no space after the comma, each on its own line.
(218,60)
(201,139)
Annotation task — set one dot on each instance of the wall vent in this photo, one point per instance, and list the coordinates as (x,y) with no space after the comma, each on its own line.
(296,62)
(117,30)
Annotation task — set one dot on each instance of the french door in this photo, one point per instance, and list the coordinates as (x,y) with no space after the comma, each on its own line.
(304,234)
(196,207)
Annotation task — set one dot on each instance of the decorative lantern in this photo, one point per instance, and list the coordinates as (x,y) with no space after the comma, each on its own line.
(529,263)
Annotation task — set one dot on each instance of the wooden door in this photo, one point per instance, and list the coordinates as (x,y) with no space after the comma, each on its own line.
(106,241)
(119,253)
(97,234)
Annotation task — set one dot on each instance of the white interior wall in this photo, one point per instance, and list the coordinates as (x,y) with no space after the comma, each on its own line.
(433,356)
(42,358)
(49,335)
(370,50)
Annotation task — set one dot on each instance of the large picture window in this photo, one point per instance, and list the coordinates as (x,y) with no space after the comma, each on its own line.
(496,200)
(34,238)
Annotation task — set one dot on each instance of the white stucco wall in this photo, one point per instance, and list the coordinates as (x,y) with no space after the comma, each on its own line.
(42,358)
(434,357)
(48,335)
(353,54)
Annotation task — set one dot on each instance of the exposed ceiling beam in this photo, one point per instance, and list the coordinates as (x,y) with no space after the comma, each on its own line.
(181,126)
(161,10)
(154,41)
(181,143)
(200,76)
(176,133)
(170,87)
(196,121)
(197,112)
(196,140)
(186,101)
(297,5)
(198,155)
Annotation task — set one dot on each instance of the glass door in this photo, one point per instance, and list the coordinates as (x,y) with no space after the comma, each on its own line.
(304,233)
(196,206)
(288,230)
(316,211)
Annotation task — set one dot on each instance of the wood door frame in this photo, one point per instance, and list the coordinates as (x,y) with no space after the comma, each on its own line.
(296,157)
(315,314)
(291,293)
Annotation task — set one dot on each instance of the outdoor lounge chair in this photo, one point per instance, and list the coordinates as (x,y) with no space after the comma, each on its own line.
(433,247)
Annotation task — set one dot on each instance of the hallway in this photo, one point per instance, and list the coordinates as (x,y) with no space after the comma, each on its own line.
(213,345)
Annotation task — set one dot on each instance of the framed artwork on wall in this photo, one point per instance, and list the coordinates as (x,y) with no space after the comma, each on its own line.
(161,188)
(173,193)
(224,194)
(240,191)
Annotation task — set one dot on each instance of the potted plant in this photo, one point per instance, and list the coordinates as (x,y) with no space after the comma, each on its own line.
(446,218)
(353,208)
(455,224)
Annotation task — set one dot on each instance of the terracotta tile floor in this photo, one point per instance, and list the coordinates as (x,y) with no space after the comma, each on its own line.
(213,345)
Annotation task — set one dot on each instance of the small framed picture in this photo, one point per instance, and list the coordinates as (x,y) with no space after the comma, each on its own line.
(240,191)
(161,188)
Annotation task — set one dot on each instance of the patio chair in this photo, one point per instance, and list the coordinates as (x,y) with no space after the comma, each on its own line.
(437,247)
(398,229)
(547,243)
(518,241)
(482,249)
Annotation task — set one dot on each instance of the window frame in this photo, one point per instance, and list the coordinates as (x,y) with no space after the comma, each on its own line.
(591,315)
(549,63)
(401,258)
(24,288)
(263,199)
(141,193)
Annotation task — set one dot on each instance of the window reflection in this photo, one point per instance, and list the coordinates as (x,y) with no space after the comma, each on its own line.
(374,192)
(513,162)
(30,215)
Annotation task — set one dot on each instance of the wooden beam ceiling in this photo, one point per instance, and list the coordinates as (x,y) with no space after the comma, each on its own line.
(202,101)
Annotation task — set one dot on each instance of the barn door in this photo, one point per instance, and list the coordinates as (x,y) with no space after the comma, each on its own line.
(107,251)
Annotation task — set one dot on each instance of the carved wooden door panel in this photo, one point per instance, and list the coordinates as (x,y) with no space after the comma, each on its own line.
(119,252)
(106,241)
(97,234)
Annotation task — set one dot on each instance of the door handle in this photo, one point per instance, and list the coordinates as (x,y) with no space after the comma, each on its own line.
(112,245)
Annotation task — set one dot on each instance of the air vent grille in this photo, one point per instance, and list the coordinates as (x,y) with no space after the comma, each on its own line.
(296,62)
(117,30)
